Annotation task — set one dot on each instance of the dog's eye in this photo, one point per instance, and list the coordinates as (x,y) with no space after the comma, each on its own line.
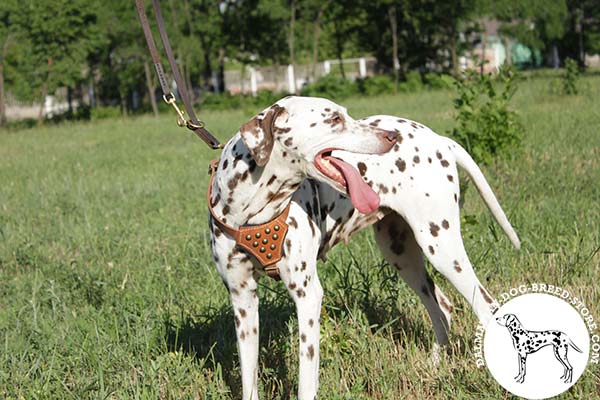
(336,118)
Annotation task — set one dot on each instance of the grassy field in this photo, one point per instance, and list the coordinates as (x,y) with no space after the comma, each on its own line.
(107,289)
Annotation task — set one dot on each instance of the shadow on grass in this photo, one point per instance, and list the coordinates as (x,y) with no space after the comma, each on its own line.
(349,289)
(375,292)
(211,336)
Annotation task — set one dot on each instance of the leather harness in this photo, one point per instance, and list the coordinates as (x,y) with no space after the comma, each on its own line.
(264,241)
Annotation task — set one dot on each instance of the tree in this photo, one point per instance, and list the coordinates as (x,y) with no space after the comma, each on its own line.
(208,24)
(120,62)
(62,33)
(426,32)
(343,21)
(453,17)
(313,12)
(538,24)
(582,30)
(8,33)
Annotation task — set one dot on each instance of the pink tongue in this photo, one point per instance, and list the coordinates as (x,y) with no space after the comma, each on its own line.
(363,198)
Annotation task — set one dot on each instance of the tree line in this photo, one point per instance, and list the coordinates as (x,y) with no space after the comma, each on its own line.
(97,46)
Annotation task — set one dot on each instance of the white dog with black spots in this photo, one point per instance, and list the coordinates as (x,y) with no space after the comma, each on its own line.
(342,175)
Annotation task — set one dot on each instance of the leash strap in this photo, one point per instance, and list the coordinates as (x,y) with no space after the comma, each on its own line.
(192,123)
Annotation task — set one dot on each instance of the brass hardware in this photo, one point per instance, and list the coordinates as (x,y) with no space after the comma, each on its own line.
(170,99)
(193,126)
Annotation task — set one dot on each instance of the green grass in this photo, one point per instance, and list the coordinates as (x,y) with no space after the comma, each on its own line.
(107,289)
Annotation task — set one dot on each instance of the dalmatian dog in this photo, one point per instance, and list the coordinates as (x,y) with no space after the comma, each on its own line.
(408,190)
(260,170)
(528,342)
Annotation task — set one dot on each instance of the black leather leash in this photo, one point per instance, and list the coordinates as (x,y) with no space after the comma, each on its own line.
(193,123)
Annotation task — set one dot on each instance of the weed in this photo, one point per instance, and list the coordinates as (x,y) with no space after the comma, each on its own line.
(571,76)
(486,126)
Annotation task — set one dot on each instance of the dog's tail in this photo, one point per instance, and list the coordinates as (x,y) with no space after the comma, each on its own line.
(573,346)
(465,161)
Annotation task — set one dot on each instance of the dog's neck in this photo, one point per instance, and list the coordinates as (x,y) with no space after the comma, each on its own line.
(513,330)
(245,194)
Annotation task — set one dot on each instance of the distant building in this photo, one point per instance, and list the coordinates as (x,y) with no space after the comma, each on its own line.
(492,49)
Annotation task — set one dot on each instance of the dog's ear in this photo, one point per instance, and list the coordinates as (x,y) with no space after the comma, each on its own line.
(257,135)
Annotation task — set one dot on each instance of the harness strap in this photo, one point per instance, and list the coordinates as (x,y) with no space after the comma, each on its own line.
(264,241)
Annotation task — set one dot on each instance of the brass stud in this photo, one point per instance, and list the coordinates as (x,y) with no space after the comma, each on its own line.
(269,256)
(257,235)
(248,237)
(275,236)
(272,247)
(255,244)
(267,231)
(276,227)
(262,249)
(265,241)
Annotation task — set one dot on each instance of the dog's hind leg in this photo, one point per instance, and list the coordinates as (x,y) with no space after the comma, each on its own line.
(436,225)
(565,367)
(560,353)
(399,247)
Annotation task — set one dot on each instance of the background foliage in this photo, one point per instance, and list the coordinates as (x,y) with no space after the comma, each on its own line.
(97,46)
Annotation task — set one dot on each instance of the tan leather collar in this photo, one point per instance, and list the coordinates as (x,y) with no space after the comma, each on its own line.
(264,241)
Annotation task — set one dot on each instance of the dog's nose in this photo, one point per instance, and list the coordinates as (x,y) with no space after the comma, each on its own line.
(391,136)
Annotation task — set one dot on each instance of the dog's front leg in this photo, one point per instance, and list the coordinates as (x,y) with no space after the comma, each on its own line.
(236,270)
(304,287)
(245,310)
(308,308)
(518,377)
(522,365)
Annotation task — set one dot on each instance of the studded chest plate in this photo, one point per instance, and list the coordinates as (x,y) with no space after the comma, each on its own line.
(265,242)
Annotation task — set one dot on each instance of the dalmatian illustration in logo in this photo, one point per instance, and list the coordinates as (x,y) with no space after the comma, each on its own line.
(527,342)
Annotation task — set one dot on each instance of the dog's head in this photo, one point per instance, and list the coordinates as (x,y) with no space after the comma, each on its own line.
(307,130)
(508,320)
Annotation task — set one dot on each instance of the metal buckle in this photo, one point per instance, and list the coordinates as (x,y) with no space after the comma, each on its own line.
(191,125)
(169,98)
